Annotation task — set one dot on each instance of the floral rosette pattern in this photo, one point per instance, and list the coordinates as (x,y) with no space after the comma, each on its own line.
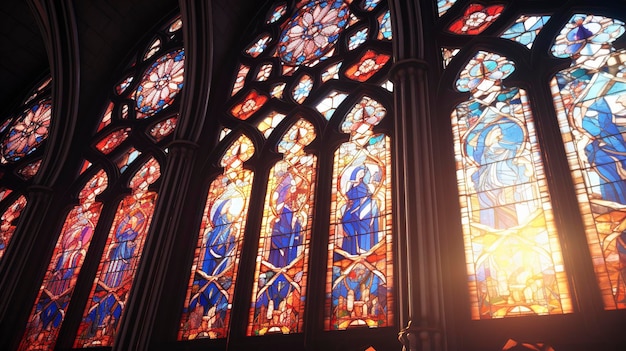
(28,132)
(312,31)
(161,83)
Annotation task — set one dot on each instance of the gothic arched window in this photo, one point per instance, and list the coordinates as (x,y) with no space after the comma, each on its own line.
(22,137)
(536,96)
(114,196)
(310,104)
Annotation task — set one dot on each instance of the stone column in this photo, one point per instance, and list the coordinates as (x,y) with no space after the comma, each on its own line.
(141,326)
(420,283)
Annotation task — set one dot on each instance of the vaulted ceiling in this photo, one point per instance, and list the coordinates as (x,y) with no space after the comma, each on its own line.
(107,30)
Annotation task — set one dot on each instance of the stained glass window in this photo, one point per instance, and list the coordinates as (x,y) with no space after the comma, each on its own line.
(281,274)
(384,28)
(27,132)
(525,29)
(249,105)
(60,279)
(370,63)
(113,140)
(214,273)
(8,221)
(119,262)
(476,19)
(259,46)
(162,129)
(160,84)
(270,122)
(514,261)
(444,5)
(328,106)
(294,91)
(357,39)
(22,136)
(448,54)
(303,88)
(312,31)
(590,101)
(127,146)
(359,275)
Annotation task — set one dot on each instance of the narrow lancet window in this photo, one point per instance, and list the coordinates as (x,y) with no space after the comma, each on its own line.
(282,262)
(214,273)
(360,252)
(514,261)
(590,102)
(119,262)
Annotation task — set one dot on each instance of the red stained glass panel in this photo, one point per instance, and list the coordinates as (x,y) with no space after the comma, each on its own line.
(58,285)
(250,104)
(369,64)
(8,221)
(476,19)
(112,140)
(119,262)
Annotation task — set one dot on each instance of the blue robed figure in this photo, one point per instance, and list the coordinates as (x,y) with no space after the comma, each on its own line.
(219,246)
(53,307)
(494,142)
(360,218)
(606,152)
(287,229)
(107,306)
(286,237)
(594,92)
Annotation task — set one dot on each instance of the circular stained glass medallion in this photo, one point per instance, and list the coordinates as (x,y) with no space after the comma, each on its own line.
(312,31)
(28,132)
(160,84)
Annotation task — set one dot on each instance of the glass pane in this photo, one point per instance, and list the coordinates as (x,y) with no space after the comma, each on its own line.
(303,88)
(267,125)
(163,129)
(119,261)
(160,84)
(369,64)
(384,26)
(113,140)
(240,80)
(359,278)
(30,170)
(249,105)
(525,29)
(590,101)
(514,261)
(312,31)
(8,221)
(259,46)
(444,5)
(58,285)
(27,132)
(214,272)
(448,54)
(280,277)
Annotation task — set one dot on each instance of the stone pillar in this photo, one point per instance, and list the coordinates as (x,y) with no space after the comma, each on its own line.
(420,290)
(141,325)
(420,284)
(140,322)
